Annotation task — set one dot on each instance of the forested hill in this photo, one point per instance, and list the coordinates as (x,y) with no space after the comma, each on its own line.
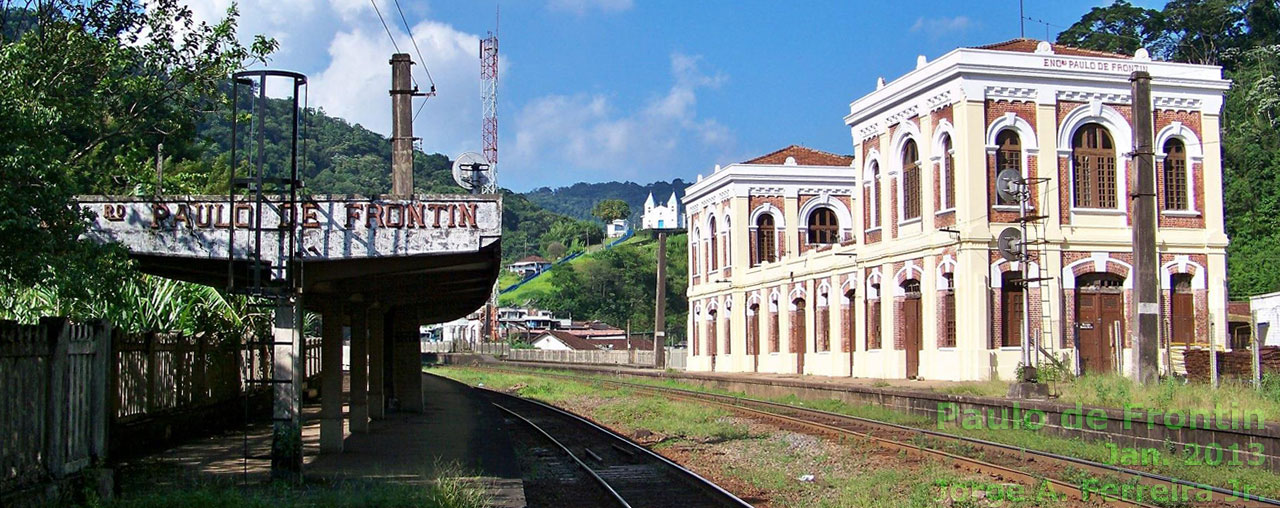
(576,200)
(342,158)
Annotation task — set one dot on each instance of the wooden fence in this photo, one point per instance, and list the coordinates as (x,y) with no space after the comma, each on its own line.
(156,373)
(53,411)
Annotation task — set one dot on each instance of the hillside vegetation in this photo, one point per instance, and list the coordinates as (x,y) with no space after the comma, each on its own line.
(617,286)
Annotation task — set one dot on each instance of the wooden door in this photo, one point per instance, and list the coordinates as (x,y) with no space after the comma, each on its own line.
(753,336)
(912,334)
(1099,306)
(1182,314)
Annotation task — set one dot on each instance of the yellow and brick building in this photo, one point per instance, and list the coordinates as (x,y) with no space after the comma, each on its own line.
(884,263)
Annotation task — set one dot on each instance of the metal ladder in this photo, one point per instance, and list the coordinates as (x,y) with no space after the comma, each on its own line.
(267,271)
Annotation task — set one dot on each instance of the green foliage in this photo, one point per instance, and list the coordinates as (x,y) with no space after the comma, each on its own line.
(1119,28)
(617,286)
(609,210)
(87,91)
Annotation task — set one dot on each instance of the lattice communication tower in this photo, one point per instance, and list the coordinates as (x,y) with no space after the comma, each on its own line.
(489,97)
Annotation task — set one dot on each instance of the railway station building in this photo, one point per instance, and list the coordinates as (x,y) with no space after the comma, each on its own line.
(884,263)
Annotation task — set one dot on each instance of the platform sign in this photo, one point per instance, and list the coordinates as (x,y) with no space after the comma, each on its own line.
(328,227)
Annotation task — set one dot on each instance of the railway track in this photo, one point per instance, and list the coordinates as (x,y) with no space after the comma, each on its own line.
(632,475)
(1059,473)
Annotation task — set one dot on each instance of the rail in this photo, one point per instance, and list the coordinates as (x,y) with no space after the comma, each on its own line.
(910,438)
(632,474)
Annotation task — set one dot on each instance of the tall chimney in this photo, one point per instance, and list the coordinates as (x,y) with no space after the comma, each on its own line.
(401,126)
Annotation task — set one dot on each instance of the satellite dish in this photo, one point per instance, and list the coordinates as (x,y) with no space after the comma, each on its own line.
(1009,184)
(472,171)
(1009,243)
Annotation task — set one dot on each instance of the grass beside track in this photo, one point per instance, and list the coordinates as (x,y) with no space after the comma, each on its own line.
(445,492)
(1258,479)
(760,463)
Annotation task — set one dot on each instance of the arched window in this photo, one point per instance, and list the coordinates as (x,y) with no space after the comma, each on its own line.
(1008,156)
(948,174)
(874,220)
(910,181)
(823,227)
(712,254)
(766,240)
(1175,175)
(1094,167)
(695,244)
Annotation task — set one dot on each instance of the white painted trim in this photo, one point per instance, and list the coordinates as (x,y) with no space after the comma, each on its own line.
(779,222)
(1179,265)
(1099,260)
(996,273)
(1011,120)
(947,261)
(904,274)
(874,278)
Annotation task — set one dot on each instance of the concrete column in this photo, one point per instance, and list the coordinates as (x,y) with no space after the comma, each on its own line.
(407,359)
(377,401)
(331,428)
(401,126)
(286,442)
(359,369)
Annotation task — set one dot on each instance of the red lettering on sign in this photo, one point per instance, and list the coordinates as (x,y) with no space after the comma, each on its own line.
(353,213)
(309,219)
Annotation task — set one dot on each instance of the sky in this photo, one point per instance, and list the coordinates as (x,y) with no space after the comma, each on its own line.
(626,90)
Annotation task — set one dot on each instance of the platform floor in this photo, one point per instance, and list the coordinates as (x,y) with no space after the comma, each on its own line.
(459,432)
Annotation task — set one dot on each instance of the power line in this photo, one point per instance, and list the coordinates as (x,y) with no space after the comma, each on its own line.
(384,25)
(415,46)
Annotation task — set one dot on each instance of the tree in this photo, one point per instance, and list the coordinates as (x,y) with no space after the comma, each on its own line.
(1120,28)
(609,210)
(87,91)
(555,250)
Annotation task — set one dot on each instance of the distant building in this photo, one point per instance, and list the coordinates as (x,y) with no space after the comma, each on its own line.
(617,228)
(662,217)
(560,340)
(529,266)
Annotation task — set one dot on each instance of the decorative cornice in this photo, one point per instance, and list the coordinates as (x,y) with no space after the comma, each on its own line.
(1177,103)
(765,191)
(1013,93)
(910,111)
(868,131)
(1083,96)
(939,100)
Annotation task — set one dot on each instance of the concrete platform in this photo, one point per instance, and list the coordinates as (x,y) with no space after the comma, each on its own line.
(458,433)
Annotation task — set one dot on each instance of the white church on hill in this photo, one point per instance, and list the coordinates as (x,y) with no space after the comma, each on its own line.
(662,217)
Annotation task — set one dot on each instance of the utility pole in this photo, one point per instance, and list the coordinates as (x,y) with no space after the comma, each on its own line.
(1146,287)
(660,312)
(402,93)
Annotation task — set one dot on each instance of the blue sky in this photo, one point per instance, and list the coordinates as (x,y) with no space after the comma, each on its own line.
(640,90)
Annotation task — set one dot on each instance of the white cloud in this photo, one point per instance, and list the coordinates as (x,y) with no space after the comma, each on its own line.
(935,27)
(355,83)
(584,136)
(580,7)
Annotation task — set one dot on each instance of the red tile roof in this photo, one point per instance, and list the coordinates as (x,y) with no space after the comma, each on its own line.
(804,156)
(570,340)
(1029,46)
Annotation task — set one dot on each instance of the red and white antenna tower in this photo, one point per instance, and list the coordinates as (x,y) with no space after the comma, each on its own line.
(489,98)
